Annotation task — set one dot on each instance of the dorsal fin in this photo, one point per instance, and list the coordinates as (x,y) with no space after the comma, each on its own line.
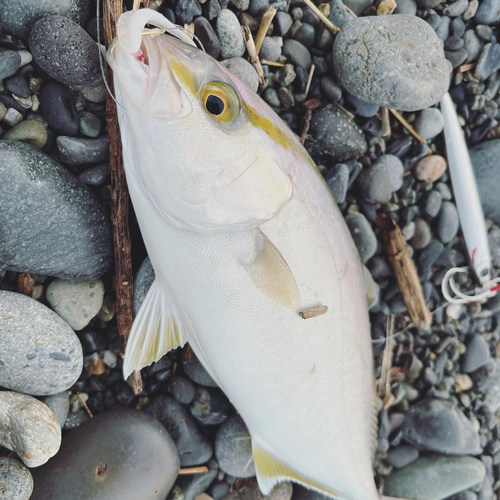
(271,274)
(271,471)
(159,327)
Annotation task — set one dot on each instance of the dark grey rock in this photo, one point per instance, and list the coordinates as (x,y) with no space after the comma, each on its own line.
(434,477)
(39,353)
(77,151)
(241,4)
(406,47)
(438,425)
(270,50)
(59,108)
(402,455)
(230,35)
(305,35)
(395,170)
(443,29)
(373,184)
(365,109)
(210,406)
(193,447)
(204,31)
(362,234)
(297,54)
(244,71)
(476,355)
(271,97)
(193,485)
(429,123)
(358,6)
(233,448)
(333,136)
(59,229)
(18,17)
(182,389)
(338,181)
(258,7)
(489,61)
(10,62)
(95,175)
(331,89)
(59,404)
(89,125)
(448,222)
(282,23)
(16,482)
(494,242)
(195,370)
(64,50)
(488,12)
(142,283)
(339,15)
(456,8)
(17,84)
(185,10)
(118,454)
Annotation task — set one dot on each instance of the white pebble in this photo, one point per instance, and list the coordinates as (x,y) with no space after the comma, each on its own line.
(26,57)
(109,358)
(455,311)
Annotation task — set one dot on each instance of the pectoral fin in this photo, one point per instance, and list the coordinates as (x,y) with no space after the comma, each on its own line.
(159,327)
(271,274)
(271,471)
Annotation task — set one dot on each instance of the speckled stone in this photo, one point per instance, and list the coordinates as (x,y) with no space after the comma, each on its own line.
(230,35)
(77,302)
(64,50)
(142,283)
(59,229)
(16,482)
(28,427)
(39,353)
(244,71)
(405,47)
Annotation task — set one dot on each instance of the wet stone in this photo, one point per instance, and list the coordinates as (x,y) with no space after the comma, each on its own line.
(448,222)
(182,389)
(195,370)
(402,455)
(59,108)
(373,184)
(489,61)
(362,234)
(17,85)
(270,50)
(338,181)
(77,151)
(488,12)
(204,31)
(429,123)
(210,406)
(95,175)
(282,23)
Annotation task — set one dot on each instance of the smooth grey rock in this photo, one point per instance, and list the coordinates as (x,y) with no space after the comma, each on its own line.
(402,455)
(434,478)
(244,71)
(16,482)
(338,181)
(77,302)
(233,448)
(339,15)
(408,7)
(362,234)
(230,36)
(476,355)
(59,108)
(89,125)
(39,353)
(95,175)
(488,12)
(333,136)
(358,6)
(28,427)
(270,49)
(395,170)
(448,222)
(182,389)
(195,370)
(10,62)
(438,425)
(124,454)
(433,204)
(77,151)
(429,123)
(59,404)
(18,17)
(64,50)
(394,61)
(193,447)
(373,184)
(488,62)
(472,44)
(93,92)
(51,223)
(297,54)
(142,283)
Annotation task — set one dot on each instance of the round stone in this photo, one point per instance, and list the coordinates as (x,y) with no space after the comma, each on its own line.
(429,123)
(59,404)
(182,389)
(430,168)
(297,54)
(95,175)
(338,181)
(476,355)
(394,169)
(373,184)
(233,448)
(230,35)
(406,48)
(77,302)
(488,12)
(123,454)
(76,151)
(402,455)
(204,31)
(64,50)
(16,482)
(195,370)
(448,222)
(270,49)
(362,234)
(422,236)
(10,62)
(210,406)
(39,353)
(90,125)
(244,71)
(29,131)
(93,92)
(59,108)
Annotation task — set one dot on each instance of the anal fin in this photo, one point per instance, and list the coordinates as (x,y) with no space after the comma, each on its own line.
(159,327)
(271,274)
(271,471)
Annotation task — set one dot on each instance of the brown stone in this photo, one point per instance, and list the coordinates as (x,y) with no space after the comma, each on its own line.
(430,168)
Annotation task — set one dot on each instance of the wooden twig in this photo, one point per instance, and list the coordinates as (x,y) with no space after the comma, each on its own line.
(404,270)
(320,14)
(407,126)
(309,107)
(309,79)
(25,284)
(384,385)
(123,279)
(266,21)
(313,312)
(386,122)
(350,10)
(252,53)
(466,67)
(85,405)
(193,470)
(272,63)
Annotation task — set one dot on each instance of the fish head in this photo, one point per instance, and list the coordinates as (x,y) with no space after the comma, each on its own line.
(207,151)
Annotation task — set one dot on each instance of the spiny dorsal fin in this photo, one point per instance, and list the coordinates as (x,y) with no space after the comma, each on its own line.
(271,274)
(159,327)
(271,471)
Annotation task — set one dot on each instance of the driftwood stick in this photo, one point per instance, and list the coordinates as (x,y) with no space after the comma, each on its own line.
(272,63)
(252,53)
(266,21)
(404,270)
(25,284)
(323,18)
(124,280)
(193,470)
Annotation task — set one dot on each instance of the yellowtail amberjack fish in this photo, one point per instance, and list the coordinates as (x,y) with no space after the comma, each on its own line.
(243,235)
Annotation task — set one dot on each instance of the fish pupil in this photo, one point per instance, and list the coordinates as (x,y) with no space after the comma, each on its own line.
(214,105)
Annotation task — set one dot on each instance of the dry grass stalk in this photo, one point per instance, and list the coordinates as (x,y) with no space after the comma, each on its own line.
(323,18)
(407,126)
(313,312)
(193,470)
(309,79)
(266,21)
(384,383)
(252,53)
(272,63)
(386,122)
(85,405)
(137,4)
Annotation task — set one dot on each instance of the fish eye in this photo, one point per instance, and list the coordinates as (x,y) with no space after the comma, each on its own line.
(220,101)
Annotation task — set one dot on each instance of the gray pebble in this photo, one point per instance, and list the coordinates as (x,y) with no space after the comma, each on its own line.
(472,45)
(338,182)
(489,61)
(59,404)
(285,75)
(456,57)
(233,448)
(339,15)
(457,8)
(373,184)
(244,71)
(16,482)
(230,35)
(39,353)
(95,91)
(77,151)
(331,89)
(258,7)
(10,62)
(305,35)
(476,355)
(395,170)
(422,236)
(182,389)
(362,234)
(429,123)
(95,175)
(204,31)
(432,204)
(402,455)
(271,97)
(297,54)
(210,406)
(195,370)
(64,50)
(142,283)
(193,485)
(358,6)
(408,7)
(282,23)
(448,222)
(270,50)
(89,125)
(364,109)
(404,47)
(488,12)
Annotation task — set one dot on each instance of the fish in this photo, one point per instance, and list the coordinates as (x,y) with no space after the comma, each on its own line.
(244,236)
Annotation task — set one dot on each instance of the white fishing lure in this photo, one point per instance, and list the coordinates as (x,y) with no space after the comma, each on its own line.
(243,234)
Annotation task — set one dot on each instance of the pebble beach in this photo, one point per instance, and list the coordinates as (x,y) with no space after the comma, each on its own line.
(64,406)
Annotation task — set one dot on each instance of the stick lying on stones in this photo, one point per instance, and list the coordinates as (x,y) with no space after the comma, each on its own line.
(266,21)
(252,53)
(404,270)
(124,279)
